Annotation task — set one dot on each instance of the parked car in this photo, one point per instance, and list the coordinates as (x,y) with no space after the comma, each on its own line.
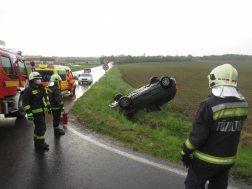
(150,97)
(85,78)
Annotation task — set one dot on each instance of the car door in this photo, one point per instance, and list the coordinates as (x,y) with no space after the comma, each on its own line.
(64,83)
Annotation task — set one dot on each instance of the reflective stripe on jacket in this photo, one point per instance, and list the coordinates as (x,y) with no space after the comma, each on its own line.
(214,159)
(71,82)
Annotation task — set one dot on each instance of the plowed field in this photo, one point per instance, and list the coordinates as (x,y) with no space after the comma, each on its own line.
(192,82)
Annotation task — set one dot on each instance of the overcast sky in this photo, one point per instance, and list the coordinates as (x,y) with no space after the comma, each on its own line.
(86,28)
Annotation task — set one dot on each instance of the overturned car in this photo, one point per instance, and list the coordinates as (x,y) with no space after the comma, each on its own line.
(149,97)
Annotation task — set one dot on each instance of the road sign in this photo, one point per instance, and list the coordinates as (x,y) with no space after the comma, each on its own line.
(105,67)
(105,61)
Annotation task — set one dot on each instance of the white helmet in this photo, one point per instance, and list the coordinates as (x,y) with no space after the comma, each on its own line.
(35,75)
(225,74)
(55,78)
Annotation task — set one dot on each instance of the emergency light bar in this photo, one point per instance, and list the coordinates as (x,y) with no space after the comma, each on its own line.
(11,50)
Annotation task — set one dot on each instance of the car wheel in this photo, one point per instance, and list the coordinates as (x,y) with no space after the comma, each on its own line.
(21,111)
(165,82)
(154,79)
(117,97)
(124,102)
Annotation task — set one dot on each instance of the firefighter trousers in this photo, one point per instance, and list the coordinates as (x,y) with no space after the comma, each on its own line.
(71,88)
(56,118)
(40,125)
(200,174)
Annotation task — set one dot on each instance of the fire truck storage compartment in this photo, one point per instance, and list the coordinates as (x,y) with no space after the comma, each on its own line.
(10,104)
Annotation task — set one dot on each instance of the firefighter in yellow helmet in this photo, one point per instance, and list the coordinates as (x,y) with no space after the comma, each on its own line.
(35,104)
(210,150)
(56,102)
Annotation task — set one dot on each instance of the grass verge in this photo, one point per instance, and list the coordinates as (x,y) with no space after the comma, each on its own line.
(159,133)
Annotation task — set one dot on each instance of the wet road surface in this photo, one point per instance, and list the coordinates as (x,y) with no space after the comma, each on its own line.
(79,159)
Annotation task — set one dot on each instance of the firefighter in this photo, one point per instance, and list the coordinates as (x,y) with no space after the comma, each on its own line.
(35,104)
(56,102)
(210,150)
(71,82)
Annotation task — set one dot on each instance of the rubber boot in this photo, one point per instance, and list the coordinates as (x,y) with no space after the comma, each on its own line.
(40,143)
(59,132)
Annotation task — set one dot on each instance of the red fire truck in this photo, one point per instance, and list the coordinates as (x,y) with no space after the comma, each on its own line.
(13,81)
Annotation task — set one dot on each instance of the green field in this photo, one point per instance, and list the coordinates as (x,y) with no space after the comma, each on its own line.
(159,133)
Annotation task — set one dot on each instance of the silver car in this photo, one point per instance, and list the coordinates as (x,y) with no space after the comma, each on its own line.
(85,78)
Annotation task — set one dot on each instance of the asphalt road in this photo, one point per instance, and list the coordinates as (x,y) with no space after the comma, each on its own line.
(79,159)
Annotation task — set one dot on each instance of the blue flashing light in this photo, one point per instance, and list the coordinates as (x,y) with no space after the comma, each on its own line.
(10,50)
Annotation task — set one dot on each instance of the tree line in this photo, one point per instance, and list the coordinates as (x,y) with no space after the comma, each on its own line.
(229,57)
(121,59)
(68,59)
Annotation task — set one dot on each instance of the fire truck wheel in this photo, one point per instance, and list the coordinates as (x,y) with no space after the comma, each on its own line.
(21,111)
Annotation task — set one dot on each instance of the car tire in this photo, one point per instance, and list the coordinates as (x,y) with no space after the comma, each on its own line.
(165,82)
(124,102)
(154,79)
(21,111)
(117,97)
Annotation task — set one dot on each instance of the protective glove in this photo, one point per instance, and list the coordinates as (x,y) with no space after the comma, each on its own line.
(62,109)
(49,110)
(187,159)
(30,116)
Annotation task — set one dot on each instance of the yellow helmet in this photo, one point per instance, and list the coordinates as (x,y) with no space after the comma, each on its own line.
(225,74)
(55,78)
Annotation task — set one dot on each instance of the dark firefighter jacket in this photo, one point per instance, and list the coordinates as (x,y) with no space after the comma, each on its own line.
(35,99)
(216,130)
(55,98)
